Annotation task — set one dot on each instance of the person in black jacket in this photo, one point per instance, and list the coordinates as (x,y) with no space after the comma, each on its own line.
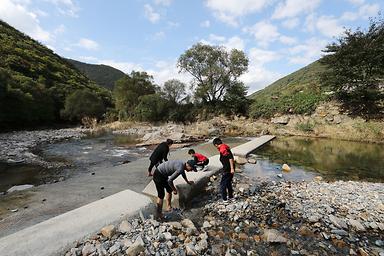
(159,154)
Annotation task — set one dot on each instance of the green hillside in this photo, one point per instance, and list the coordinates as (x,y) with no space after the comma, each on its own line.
(103,75)
(34,81)
(297,93)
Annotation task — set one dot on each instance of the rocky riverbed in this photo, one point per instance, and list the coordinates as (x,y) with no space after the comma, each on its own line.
(17,147)
(273,218)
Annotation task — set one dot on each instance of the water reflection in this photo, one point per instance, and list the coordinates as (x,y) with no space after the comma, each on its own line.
(334,159)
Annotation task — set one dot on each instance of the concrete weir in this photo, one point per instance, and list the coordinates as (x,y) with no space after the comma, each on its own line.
(246,148)
(186,192)
(59,233)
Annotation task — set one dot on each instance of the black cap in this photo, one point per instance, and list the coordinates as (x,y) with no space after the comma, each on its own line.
(192,163)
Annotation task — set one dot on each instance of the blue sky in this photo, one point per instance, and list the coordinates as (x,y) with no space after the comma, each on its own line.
(278,36)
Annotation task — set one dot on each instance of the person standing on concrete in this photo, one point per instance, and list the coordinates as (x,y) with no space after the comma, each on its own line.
(201,160)
(227,160)
(159,154)
(164,176)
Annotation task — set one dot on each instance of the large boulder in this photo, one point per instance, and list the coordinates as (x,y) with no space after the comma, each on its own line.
(273,236)
(280,120)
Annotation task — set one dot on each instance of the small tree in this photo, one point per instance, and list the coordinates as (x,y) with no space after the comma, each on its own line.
(128,89)
(356,69)
(174,91)
(236,100)
(81,104)
(151,108)
(214,70)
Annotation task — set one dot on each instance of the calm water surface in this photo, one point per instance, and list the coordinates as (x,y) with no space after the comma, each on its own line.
(308,157)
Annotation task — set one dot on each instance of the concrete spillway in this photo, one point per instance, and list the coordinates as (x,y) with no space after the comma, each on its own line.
(186,191)
(246,148)
(59,233)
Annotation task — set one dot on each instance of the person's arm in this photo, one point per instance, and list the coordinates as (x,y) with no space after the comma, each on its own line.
(165,154)
(190,182)
(231,162)
(171,179)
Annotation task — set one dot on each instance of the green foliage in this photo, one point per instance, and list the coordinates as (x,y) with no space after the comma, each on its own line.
(83,103)
(103,75)
(152,108)
(297,93)
(35,81)
(128,90)
(306,126)
(356,69)
(236,101)
(174,91)
(214,71)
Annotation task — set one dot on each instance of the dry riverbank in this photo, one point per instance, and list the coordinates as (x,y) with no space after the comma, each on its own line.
(265,219)
(326,122)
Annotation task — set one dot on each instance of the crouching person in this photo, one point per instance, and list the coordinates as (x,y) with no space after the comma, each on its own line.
(164,176)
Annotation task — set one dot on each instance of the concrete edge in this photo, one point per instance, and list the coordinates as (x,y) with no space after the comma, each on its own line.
(58,234)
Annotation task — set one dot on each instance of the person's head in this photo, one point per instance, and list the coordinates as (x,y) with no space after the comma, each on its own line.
(169,142)
(190,165)
(191,152)
(217,142)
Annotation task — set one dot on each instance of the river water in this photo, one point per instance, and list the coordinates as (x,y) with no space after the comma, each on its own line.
(307,157)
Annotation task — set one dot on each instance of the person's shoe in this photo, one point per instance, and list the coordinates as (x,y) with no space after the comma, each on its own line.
(205,168)
(232,199)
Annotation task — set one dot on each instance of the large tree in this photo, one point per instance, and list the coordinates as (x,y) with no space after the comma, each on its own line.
(214,70)
(356,69)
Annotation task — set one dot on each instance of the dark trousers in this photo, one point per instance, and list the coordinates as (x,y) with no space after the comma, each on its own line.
(206,162)
(226,185)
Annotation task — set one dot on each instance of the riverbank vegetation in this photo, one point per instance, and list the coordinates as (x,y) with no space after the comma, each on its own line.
(38,86)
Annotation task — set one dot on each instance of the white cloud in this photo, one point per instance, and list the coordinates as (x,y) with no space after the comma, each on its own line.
(291,23)
(66,7)
(20,17)
(293,8)
(151,14)
(264,32)
(329,26)
(216,38)
(287,40)
(158,35)
(310,23)
(59,30)
(356,2)
(163,2)
(260,56)
(369,10)
(230,10)
(88,44)
(307,52)
(166,70)
(172,24)
(234,42)
(258,77)
(205,24)
(365,11)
